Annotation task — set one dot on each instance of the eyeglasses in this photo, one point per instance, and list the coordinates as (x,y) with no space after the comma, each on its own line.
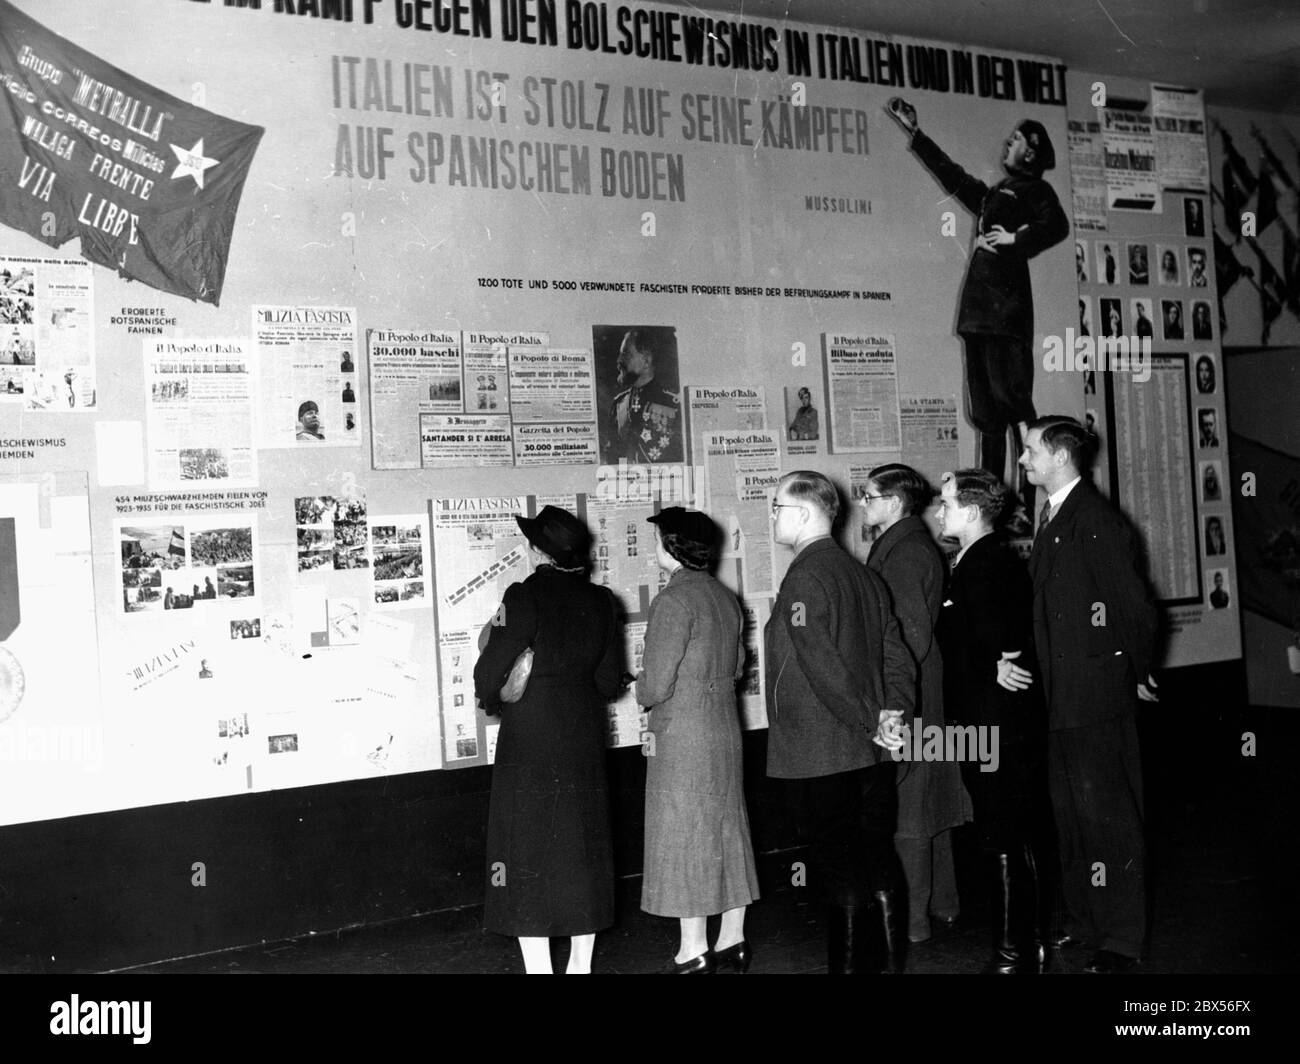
(782,505)
(868,498)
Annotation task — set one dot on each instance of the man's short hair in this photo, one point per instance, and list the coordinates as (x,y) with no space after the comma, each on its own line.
(815,488)
(1061,432)
(912,490)
(644,341)
(979,487)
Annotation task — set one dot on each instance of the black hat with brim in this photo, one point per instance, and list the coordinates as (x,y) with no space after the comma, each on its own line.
(558,533)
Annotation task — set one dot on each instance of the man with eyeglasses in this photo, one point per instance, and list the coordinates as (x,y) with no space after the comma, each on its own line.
(840,683)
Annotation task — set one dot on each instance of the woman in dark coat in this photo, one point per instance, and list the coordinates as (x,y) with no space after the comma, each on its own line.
(985,626)
(698,857)
(931,799)
(550,867)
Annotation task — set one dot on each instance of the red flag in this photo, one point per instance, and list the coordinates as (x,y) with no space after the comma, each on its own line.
(148,182)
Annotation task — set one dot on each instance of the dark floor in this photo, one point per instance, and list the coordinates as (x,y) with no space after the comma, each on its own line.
(1209,920)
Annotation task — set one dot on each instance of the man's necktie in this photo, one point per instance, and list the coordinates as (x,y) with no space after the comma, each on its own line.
(1044,515)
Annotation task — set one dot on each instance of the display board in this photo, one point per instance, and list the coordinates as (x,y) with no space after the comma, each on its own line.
(1148,328)
(451,248)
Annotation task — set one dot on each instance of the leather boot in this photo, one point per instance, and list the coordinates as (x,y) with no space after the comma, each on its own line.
(844,925)
(1018,947)
(1035,925)
(892,920)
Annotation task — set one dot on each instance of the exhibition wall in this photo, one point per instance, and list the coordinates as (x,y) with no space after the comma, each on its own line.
(302,308)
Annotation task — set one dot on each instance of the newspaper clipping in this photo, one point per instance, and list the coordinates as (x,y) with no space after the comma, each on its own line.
(1130,158)
(862,383)
(411,373)
(719,409)
(308,381)
(46,311)
(1182,152)
(479,552)
(199,398)
(741,470)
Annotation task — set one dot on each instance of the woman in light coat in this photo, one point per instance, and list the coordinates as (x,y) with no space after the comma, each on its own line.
(698,857)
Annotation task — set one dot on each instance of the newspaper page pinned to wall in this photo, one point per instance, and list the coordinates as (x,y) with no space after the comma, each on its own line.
(46,312)
(449,441)
(930,434)
(411,373)
(199,398)
(1087,177)
(741,470)
(625,561)
(308,397)
(718,409)
(478,552)
(553,406)
(1182,151)
(862,385)
(1130,159)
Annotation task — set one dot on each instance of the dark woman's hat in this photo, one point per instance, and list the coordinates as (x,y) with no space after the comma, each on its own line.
(693,538)
(558,533)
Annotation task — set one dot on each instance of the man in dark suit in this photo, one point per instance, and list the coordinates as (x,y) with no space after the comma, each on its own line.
(840,683)
(1095,635)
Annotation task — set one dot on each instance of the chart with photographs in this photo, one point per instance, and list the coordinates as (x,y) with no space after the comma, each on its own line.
(1152,376)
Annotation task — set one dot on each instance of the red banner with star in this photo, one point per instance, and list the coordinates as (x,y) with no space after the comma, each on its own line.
(149,183)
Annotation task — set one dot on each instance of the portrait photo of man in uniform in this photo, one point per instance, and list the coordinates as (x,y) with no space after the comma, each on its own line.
(637,394)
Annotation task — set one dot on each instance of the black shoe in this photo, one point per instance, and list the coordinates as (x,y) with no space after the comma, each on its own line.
(1065,940)
(701,965)
(738,957)
(1108,962)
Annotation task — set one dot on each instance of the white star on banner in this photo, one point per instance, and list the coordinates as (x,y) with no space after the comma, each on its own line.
(192,163)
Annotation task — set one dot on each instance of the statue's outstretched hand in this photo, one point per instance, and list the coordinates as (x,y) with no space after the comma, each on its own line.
(903,113)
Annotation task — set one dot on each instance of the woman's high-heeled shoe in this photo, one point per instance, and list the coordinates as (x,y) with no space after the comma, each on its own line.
(702,965)
(738,956)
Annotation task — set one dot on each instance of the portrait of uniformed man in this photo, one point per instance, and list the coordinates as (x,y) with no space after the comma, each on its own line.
(637,374)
